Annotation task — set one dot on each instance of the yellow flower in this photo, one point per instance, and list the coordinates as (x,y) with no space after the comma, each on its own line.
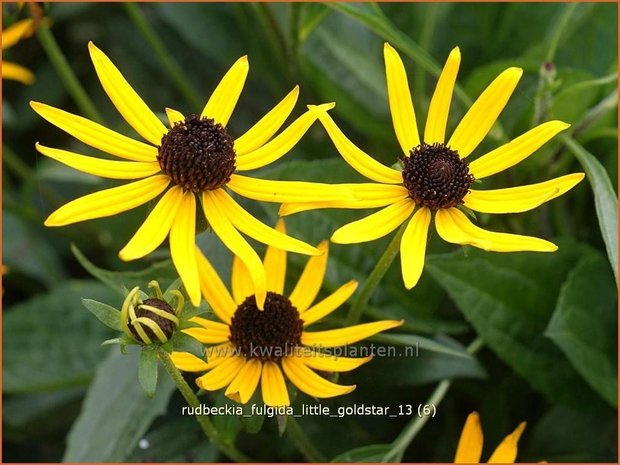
(252,345)
(435,177)
(10,36)
(469,449)
(197,158)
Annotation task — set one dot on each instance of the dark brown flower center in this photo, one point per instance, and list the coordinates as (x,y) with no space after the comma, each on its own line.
(198,154)
(268,334)
(435,176)
(166,326)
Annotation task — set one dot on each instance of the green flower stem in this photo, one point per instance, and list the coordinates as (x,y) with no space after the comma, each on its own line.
(172,68)
(400,444)
(68,77)
(203,420)
(302,441)
(376,275)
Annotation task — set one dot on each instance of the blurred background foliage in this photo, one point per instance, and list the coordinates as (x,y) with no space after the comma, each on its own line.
(548,321)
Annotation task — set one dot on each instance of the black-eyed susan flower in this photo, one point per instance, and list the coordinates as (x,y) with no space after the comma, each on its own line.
(10,36)
(435,177)
(469,449)
(193,161)
(254,346)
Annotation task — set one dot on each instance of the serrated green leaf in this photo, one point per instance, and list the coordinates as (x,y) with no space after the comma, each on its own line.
(50,342)
(115,413)
(605,199)
(108,315)
(584,325)
(509,298)
(373,453)
(147,371)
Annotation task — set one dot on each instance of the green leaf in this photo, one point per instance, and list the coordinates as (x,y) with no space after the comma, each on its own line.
(185,343)
(227,425)
(147,371)
(584,325)
(50,342)
(109,316)
(605,199)
(373,453)
(509,298)
(115,413)
(419,342)
(163,272)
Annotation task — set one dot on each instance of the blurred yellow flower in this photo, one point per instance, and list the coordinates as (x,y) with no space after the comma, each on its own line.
(10,36)
(255,346)
(469,449)
(435,178)
(198,159)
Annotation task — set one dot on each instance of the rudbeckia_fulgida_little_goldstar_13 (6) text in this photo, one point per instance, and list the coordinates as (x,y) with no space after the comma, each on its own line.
(435,179)
(249,346)
(194,163)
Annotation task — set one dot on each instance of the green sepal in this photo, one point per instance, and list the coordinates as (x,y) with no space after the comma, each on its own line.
(147,371)
(108,315)
(122,341)
(468,212)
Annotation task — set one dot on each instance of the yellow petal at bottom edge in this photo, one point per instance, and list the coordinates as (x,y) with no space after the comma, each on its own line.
(506,452)
(470,444)
(222,375)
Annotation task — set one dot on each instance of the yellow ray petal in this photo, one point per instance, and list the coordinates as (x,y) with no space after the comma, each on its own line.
(17,72)
(326,362)
(182,246)
(368,195)
(155,228)
(267,126)
(506,452)
(96,135)
(236,243)
(213,289)
(435,129)
(376,225)
(453,226)
(401,107)
(241,281)
(104,168)
(109,202)
(358,159)
(279,145)
(210,332)
(224,98)
(214,355)
(469,449)
(477,122)
(413,247)
(243,386)
(174,116)
(344,336)
(286,191)
(329,304)
(521,198)
(275,264)
(15,32)
(254,228)
(516,150)
(221,375)
(185,361)
(311,279)
(125,99)
(273,386)
(309,382)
